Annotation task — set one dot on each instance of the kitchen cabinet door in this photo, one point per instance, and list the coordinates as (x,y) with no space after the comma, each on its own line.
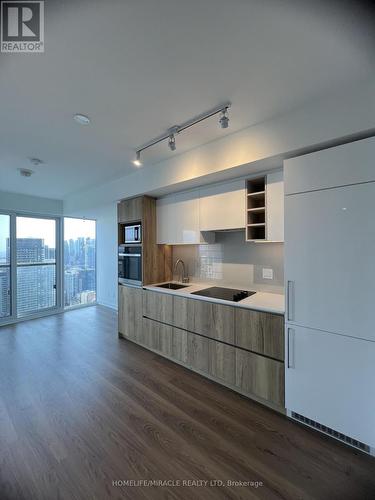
(275,207)
(260,332)
(129,311)
(130,210)
(197,352)
(329,379)
(210,319)
(165,221)
(177,218)
(329,260)
(158,306)
(222,206)
(221,362)
(343,165)
(260,376)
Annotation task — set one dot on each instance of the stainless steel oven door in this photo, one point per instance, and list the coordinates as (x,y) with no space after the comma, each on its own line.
(130,266)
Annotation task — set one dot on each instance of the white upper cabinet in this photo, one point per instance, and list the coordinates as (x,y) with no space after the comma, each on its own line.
(178,219)
(275,207)
(351,163)
(222,206)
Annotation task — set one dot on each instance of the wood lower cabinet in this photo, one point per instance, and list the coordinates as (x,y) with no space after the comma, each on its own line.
(130,311)
(213,320)
(197,352)
(180,345)
(241,348)
(158,306)
(260,332)
(260,376)
(222,362)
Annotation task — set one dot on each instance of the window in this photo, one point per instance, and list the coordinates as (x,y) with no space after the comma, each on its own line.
(79,261)
(5,292)
(36,264)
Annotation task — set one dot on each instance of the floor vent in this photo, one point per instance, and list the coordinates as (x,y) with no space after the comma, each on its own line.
(331,432)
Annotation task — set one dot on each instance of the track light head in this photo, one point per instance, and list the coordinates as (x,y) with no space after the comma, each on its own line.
(224,119)
(172,142)
(137,160)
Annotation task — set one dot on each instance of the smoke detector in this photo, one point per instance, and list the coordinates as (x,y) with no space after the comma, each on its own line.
(36,161)
(25,172)
(81,119)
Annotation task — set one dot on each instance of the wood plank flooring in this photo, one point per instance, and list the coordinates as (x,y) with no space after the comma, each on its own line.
(80,409)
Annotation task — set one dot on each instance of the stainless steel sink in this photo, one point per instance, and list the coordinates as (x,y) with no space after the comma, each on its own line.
(172,286)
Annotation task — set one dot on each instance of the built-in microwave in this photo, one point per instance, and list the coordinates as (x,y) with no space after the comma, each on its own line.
(133,233)
(130,265)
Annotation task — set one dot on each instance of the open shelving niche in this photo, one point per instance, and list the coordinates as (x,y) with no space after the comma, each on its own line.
(256,209)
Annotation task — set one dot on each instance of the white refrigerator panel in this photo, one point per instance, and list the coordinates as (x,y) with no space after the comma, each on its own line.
(330,379)
(330,260)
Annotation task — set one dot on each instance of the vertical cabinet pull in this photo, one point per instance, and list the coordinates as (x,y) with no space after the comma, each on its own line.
(290,299)
(291,334)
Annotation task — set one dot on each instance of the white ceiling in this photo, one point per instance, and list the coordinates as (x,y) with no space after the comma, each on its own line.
(138,67)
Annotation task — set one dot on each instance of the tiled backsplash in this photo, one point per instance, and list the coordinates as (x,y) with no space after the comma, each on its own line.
(233,262)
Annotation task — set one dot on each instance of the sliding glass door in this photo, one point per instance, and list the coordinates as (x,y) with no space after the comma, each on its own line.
(5,273)
(36,260)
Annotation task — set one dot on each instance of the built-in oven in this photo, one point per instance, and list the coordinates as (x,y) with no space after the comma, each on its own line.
(130,265)
(133,233)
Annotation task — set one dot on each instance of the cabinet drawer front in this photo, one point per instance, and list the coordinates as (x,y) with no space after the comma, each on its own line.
(197,352)
(158,306)
(260,332)
(151,333)
(180,312)
(222,359)
(130,311)
(260,376)
(180,345)
(213,320)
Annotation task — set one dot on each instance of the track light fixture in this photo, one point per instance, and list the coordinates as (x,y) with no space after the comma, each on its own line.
(137,160)
(172,142)
(171,134)
(224,119)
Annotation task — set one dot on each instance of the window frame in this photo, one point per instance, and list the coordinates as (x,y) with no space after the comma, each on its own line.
(59,308)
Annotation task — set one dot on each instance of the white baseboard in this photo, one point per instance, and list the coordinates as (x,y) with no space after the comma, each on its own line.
(107,304)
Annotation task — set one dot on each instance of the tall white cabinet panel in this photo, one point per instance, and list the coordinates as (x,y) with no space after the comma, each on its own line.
(329,378)
(222,206)
(329,260)
(343,165)
(165,220)
(177,218)
(275,206)
(186,215)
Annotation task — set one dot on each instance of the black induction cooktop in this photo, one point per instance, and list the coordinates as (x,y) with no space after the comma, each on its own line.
(231,294)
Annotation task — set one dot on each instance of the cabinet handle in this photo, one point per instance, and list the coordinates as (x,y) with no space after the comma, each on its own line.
(290,353)
(290,300)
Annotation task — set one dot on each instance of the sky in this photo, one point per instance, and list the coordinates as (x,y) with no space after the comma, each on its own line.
(30,227)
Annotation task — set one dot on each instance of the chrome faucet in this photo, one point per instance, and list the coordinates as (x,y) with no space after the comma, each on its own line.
(184,278)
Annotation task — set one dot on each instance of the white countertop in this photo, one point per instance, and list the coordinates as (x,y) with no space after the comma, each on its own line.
(260,301)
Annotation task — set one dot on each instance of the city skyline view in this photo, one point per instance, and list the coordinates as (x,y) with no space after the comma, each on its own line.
(36,263)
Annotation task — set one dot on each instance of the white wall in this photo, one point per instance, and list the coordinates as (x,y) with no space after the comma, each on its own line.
(32,204)
(106,248)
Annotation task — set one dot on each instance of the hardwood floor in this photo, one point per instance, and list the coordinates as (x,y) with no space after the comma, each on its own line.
(80,408)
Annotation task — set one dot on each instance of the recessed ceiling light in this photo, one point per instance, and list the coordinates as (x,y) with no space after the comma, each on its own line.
(25,172)
(82,119)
